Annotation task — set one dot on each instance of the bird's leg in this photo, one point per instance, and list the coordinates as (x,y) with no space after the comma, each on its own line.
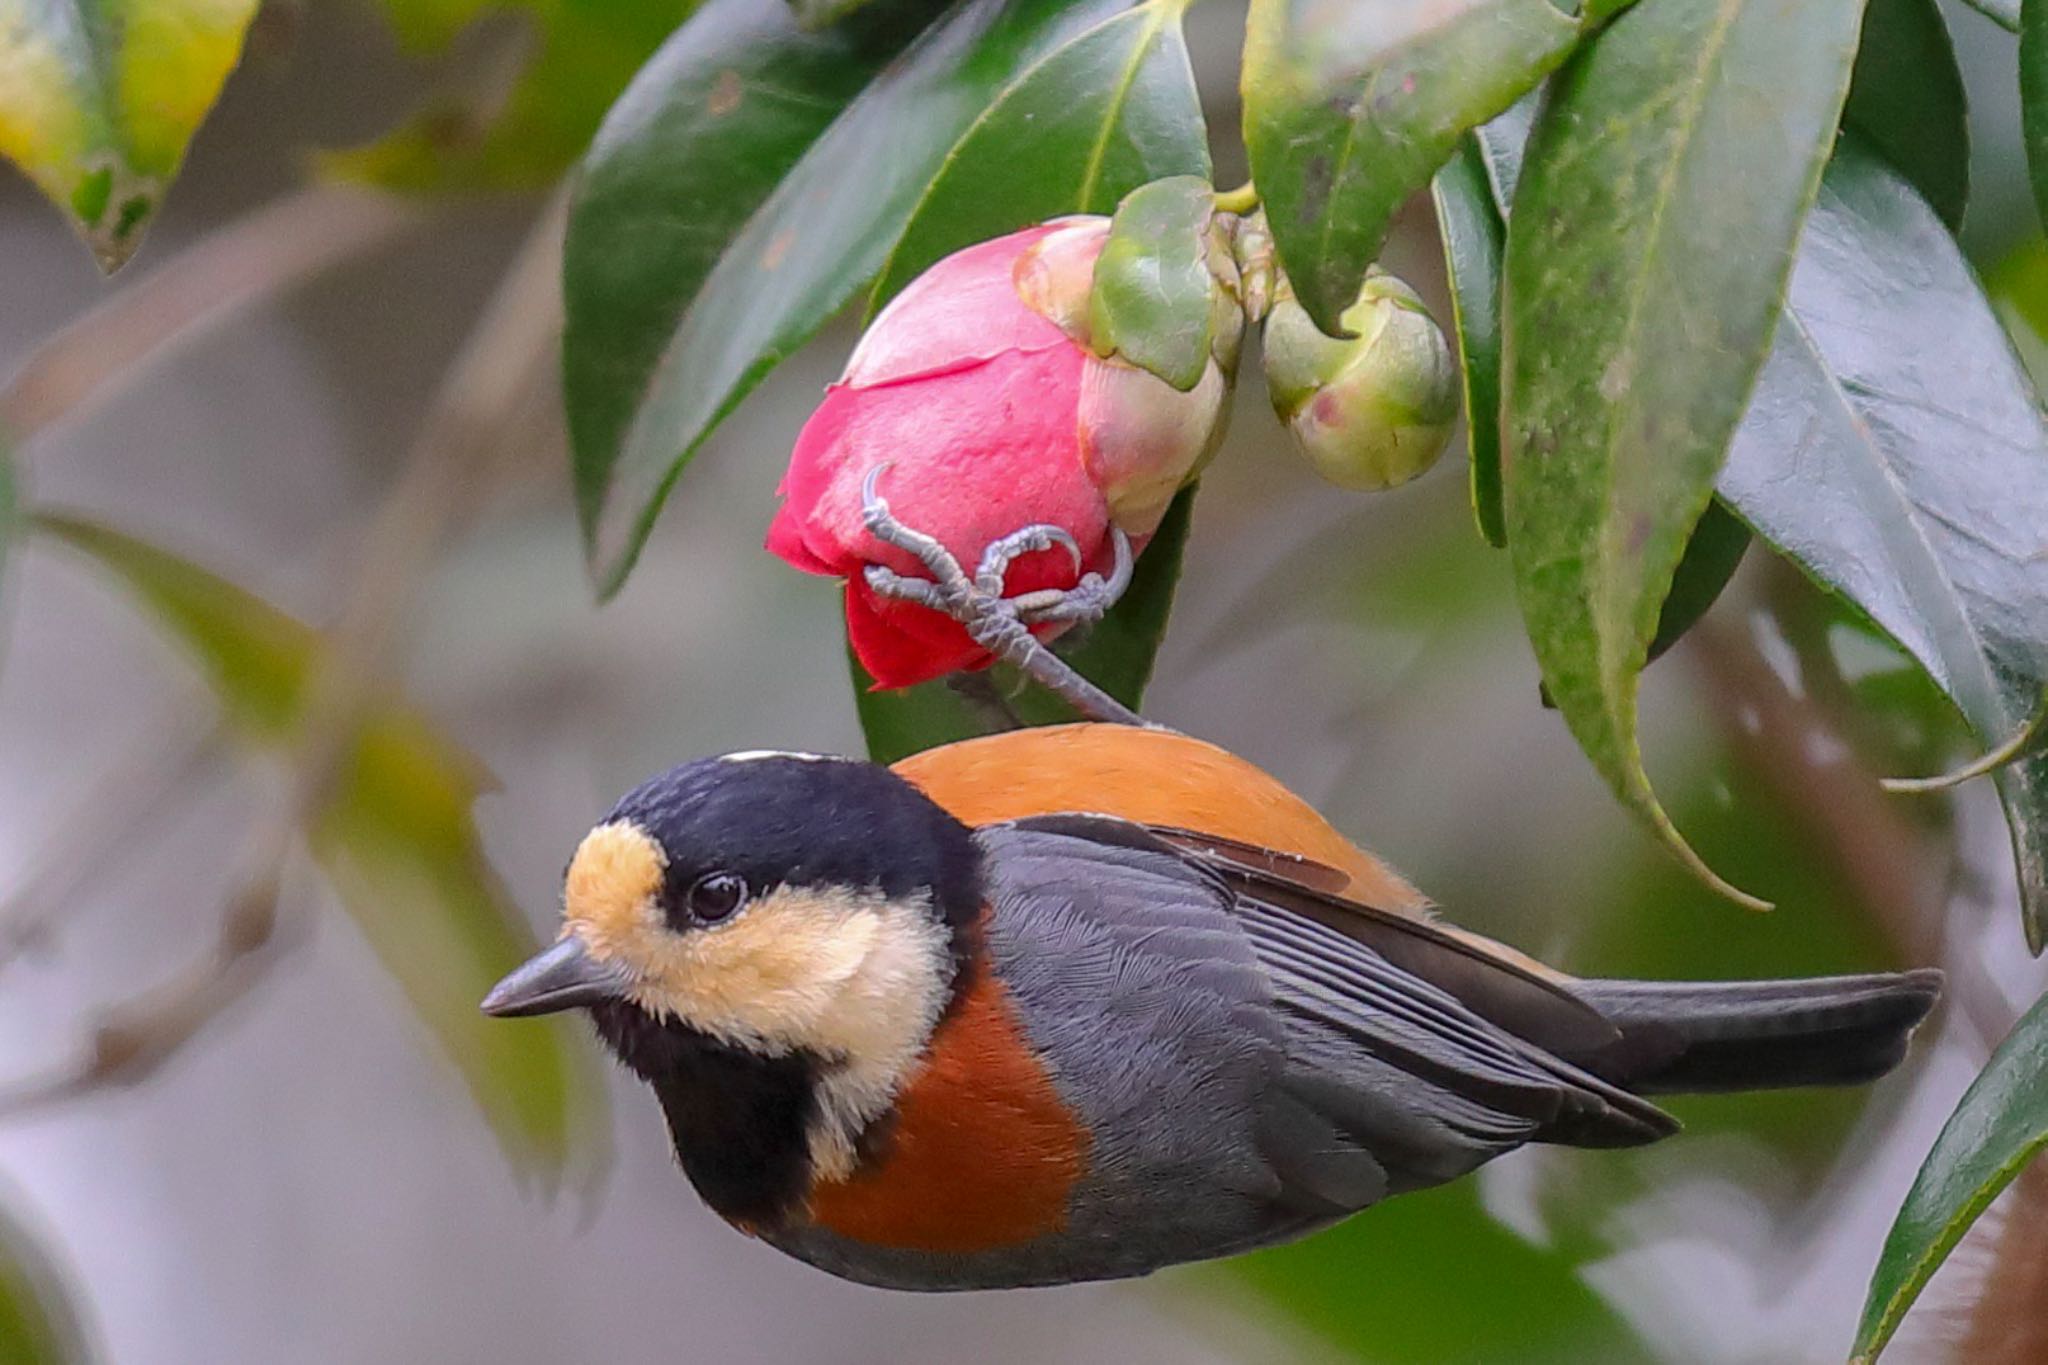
(999,624)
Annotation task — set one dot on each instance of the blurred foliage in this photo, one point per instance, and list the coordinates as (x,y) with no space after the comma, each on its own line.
(99,97)
(1906,100)
(1431,1278)
(551,69)
(396,839)
(39,1325)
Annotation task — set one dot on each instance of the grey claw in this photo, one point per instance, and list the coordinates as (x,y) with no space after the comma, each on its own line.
(997,558)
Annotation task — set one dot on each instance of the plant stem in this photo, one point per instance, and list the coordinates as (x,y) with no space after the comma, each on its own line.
(1241,200)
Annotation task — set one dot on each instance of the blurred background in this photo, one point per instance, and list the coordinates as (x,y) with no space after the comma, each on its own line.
(307,1177)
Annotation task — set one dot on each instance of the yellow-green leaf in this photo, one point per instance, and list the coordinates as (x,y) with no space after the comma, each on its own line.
(527,110)
(39,1321)
(396,838)
(98,99)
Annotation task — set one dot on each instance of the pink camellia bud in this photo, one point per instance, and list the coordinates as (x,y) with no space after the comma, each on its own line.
(977,388)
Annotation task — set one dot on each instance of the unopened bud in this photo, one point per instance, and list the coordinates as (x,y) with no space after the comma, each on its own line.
(1369,411)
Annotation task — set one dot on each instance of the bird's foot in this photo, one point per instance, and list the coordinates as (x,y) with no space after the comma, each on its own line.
(1003,624)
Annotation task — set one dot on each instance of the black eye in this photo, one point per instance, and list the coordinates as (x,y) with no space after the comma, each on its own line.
(714,896)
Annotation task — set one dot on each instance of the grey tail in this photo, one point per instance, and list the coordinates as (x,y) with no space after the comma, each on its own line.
(1680,1037)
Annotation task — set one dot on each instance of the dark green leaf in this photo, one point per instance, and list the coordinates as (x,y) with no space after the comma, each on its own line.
(1150,299)
(1116,655)
(731,101)
(1473,236)
(39,1323)
(531,102)
(1911,478)
(1906,100)
(1999,1126)
(97,102)
(2034,96)
(396,838)
(1108,111)
(1711,558)
(1651,237)
(812,244)
(1351,105)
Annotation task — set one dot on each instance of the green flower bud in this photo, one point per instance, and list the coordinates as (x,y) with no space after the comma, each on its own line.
(1369,411)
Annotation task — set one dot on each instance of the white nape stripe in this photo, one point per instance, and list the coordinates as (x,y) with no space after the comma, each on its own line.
(756,755)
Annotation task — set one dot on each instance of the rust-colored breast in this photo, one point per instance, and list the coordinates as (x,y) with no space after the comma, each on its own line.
(983,1152)
(1154,777)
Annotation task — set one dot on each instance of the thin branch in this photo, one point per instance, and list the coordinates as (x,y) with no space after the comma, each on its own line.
(452,466)
(134,1038)
(112,821)
(193,293)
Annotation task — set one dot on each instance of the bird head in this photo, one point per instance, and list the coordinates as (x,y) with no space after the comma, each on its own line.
(782,904)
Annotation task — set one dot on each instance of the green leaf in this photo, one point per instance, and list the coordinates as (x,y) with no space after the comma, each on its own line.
(732,100)
(812,244)
(1351,105)
(1911,478)
(1999,1126)
(1906,101)
(39,1321)
(1651,237)
(1116,655)
(527,110)
(1104,113)
(1150,301)
(1711,558)
(98,99)
(2034,96)
(1429,1256)
(396,838)
(1473,237)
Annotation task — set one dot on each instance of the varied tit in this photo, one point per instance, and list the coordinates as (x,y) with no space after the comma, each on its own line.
(1084,1001)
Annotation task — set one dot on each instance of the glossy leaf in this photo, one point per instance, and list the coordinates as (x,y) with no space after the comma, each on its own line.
(527,110)
(1473,238)
(1647,254)
(39,1323)
(1999,1126)
(732,100)
(1712,556)
(812,245)
(98,99)
(1150,298)
(1911,478)
(396,839)
(2004,13)
(1116,655)
(1351,105)
(2034,96)
(1906,101)
(1106,112)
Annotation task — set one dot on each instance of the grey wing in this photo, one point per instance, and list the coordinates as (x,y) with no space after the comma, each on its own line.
(1348,1076)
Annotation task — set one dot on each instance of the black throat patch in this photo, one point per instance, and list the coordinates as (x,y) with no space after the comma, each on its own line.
(740,1120)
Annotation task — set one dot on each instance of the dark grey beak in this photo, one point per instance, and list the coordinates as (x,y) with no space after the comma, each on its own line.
(561,978)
